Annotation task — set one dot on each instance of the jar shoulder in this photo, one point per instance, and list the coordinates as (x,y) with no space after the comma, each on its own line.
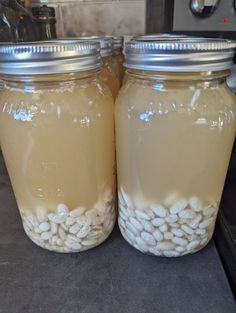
(81,96)
(139,96)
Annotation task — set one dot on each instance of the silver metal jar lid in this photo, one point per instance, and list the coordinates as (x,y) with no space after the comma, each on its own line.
(105,43)
(49,57)
(117,42)
(185,55)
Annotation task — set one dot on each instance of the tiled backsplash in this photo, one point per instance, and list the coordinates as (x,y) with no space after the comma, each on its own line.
(86,17)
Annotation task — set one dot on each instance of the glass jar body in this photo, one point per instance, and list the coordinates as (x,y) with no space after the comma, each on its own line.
(58,143)
(110,76)
(174,135)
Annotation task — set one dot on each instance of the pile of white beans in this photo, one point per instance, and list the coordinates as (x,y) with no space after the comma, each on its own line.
(181,228)
(73,230)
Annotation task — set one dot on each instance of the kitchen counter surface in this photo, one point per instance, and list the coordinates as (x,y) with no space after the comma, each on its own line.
(113,278)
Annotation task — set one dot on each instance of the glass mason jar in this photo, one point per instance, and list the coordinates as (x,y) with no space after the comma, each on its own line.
(118,58)
(57,137)
(108,73)
(175,127)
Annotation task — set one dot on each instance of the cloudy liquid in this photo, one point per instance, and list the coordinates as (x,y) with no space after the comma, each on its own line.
(176,141)
(58,143)
(110,76)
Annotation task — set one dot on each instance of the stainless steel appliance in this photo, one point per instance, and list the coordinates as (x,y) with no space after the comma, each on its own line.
(211,18)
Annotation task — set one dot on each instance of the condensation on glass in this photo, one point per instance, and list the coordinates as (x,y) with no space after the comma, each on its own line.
(57,138)
(175,127)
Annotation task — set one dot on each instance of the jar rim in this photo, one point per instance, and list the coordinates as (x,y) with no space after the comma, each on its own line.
(104,42)
(117,42)
(49,57)
(176,54)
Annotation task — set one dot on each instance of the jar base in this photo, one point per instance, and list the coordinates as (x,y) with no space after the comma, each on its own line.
(76,230)
(181,228)
(80,247)
(153,251)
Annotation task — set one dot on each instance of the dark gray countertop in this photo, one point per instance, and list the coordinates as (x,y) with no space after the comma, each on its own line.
(113,278)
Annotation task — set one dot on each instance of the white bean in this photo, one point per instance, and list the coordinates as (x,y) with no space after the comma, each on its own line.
(168,235)
(59,242)
(73,237)
(27,223)
(141,243)
(130,235)
(180,249)
(158,221)
(187,214)
(123,210)
(163,228)
(53,227)
(206,223)
(41,214)
(123,216)
(70,221)
(209,211)
(142,215)
(195,204)
(37,230)
(62,233)
(89,242)
(33,220)
(165,245)
(171,199)
(131,228)
(59,219)
(77,212)
(62,209)
(83,232)
(130,212)
(121,199)
(200,231)
(195,222)
(46,235)
(172,218)
(54,240)
(44,226)
(187,229)
(177,232)
(126,198)
(73,245)
(159,210)
(136,223)
(83,221)
(158,235)
(179,241)
(148,238)
(148,226)
(121,223)
(193,245)
(178,206)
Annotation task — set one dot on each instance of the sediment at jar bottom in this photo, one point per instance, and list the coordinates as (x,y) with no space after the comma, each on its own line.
(72,230)
(184,227)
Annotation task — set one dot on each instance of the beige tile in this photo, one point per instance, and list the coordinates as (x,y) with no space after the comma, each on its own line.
(113,17)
